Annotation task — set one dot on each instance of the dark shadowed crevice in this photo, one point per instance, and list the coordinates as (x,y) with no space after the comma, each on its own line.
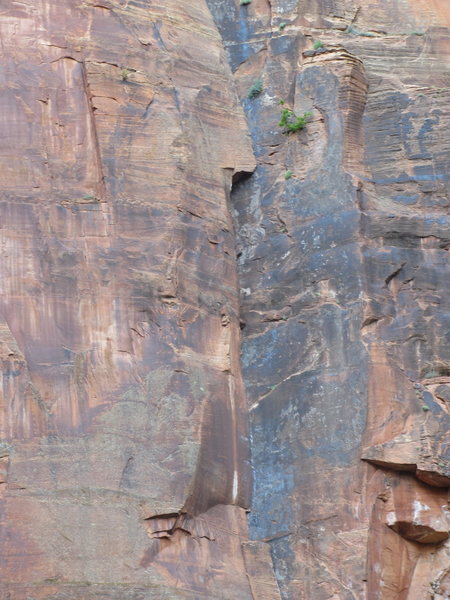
(245,187)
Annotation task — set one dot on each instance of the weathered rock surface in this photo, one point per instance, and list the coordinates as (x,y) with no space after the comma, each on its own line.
(417,513)
(424,448)
(343,234)
(124,454)
(122,400)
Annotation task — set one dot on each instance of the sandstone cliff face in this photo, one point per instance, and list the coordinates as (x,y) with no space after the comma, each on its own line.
(344,236)
(124,457)
(124,444)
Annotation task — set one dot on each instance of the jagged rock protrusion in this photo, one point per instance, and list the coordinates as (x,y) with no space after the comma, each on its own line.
(417,514)
(424,449)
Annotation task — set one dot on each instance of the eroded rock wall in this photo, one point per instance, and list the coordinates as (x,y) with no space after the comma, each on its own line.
(124,450)
(343,236)
(124,457)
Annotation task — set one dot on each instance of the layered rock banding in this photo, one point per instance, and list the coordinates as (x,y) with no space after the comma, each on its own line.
(344,277)
(125,452)
(122,404)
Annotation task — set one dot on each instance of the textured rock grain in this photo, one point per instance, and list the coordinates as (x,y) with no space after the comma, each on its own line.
(124,454)
(344,274)
(122,399)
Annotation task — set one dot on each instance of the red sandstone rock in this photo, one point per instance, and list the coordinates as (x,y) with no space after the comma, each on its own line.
(423,449)
(417,513)
(122,399)
(124,456)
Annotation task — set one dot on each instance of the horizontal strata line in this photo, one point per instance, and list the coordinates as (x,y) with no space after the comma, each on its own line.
(86,584)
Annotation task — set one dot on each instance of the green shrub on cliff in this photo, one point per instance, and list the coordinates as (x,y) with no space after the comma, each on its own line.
(89,197)
(290,122)
(256,89)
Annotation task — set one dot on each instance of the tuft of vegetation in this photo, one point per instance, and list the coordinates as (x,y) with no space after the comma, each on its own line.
(290,122)
(425,408)
(244,2)
(89,197)
(317,44)
(281,102)
(125,73)
(431,374)
(282,25)
(255,89)
(288,175)
(354,31)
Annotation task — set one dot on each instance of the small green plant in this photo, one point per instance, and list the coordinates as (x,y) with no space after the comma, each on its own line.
(89,197)
(244,2)
(281,102)
(290,122)
(431,374)
(125,73)
(288,175)
(317,44)
(425,408)
(354,31)
(255,90)
(281,26)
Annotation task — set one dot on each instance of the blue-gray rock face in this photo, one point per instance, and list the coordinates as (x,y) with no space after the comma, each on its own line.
(343,238)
